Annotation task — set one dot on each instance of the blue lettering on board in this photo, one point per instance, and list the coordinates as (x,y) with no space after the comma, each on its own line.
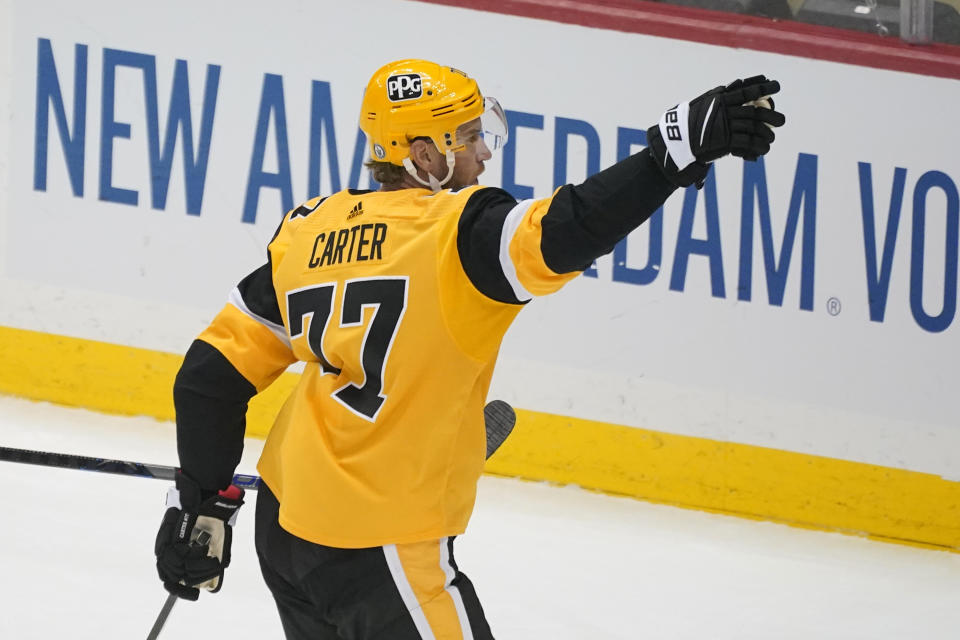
(49,96)
(805,195)
(928,181)
(271,108)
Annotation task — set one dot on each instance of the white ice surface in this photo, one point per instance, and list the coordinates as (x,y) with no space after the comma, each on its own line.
(76,559)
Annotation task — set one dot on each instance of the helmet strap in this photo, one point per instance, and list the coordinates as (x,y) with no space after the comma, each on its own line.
(432,182)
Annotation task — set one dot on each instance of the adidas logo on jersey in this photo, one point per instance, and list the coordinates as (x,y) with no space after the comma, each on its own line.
(356,211)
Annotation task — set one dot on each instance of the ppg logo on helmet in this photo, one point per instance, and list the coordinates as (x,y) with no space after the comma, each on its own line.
(405,86)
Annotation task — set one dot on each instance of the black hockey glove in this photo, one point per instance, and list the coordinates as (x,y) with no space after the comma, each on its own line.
(184,565)
(737,119)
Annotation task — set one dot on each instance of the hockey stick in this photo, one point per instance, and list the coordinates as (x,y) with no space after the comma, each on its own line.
(162,618)
(201,539)
(105,465)
(499,418)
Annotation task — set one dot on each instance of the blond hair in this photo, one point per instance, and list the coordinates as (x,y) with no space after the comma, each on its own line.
(386,173)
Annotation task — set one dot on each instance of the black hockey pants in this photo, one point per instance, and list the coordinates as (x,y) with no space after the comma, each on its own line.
(395,592)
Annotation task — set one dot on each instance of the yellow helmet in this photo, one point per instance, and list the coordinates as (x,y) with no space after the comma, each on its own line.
(408,99)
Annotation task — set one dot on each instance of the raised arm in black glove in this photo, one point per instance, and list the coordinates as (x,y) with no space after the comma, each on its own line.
(186,568)
(737,119)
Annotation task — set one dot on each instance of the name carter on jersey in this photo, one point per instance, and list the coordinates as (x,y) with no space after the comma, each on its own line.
(361,242)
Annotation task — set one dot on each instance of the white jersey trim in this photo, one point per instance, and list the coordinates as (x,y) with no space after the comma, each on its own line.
(510,225)
(406,592)
(454,592)
(278,330)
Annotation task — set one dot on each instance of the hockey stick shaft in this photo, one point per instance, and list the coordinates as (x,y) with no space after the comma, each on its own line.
(499,418)
(106,465)
(161,620)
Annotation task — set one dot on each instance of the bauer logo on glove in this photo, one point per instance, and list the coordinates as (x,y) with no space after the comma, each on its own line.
(737,119)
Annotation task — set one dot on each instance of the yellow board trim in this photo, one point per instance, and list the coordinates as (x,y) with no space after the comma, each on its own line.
(804,490)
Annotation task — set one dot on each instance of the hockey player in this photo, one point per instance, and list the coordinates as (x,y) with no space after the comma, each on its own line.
(397,301)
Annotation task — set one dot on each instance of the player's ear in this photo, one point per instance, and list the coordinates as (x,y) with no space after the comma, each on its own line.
(423,153)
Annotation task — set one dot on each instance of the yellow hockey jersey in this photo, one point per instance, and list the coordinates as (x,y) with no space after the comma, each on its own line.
(397,301)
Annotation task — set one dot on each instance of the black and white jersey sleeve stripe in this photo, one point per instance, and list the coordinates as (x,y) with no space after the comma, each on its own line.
(513,251)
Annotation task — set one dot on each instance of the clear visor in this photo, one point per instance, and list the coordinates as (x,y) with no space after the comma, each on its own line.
(494,124)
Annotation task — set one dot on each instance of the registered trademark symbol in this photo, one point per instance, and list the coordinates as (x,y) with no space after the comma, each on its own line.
(833,306)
